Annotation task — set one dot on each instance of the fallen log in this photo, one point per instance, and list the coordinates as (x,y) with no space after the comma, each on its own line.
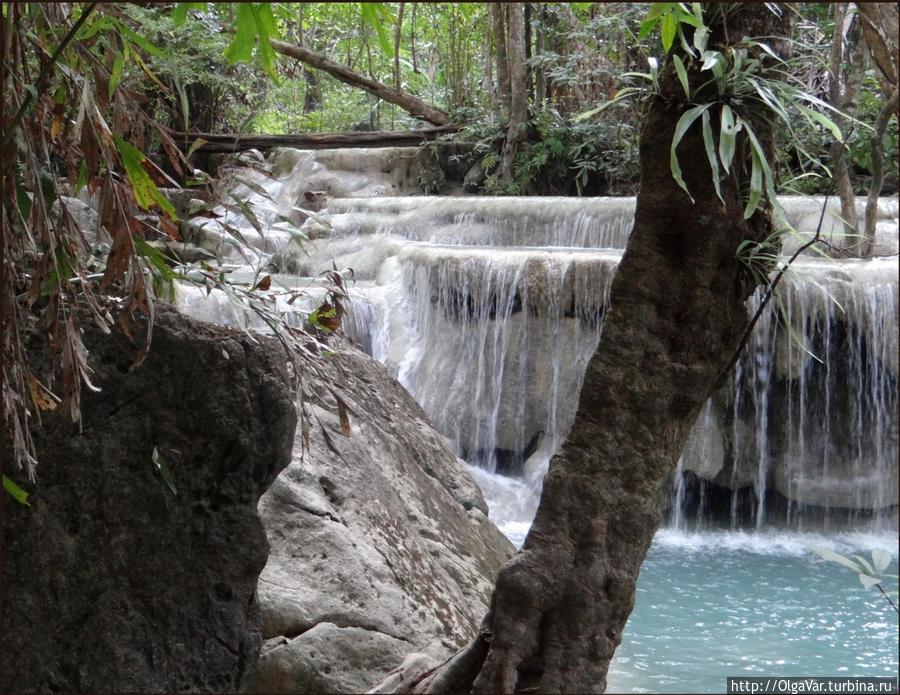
(407,102)
(232,142)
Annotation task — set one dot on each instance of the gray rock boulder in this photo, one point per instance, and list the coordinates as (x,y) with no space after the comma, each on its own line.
(112,581)
(380,551)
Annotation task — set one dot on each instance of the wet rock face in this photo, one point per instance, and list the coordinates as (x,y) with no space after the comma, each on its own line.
(376,553)
(114,583)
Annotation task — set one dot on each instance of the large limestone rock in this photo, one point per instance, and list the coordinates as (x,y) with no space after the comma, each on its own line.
(111,581)
(376,552)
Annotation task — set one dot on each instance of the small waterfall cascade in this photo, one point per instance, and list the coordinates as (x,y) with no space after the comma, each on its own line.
(488,309)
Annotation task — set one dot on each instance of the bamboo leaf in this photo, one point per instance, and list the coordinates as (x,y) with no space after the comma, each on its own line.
(684,123)
(668,27)
(145,191)
(115,76)
(17,493)
(375,14)
(241,47)
(647,27)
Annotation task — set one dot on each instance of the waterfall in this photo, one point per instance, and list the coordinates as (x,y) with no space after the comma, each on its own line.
(488,309)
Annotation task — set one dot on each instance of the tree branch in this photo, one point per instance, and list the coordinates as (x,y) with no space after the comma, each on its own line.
(770,290)
(407,102)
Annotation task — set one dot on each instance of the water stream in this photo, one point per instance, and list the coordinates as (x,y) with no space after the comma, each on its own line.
(487,310)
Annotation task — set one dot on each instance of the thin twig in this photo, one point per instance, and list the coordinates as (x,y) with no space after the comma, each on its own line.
(888,599)
(44,75)
(769,292)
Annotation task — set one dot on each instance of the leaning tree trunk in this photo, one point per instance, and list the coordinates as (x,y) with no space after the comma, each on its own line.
(412,105)
(676,316)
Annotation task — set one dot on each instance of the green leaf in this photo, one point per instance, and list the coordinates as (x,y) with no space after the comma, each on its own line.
(822,119)
(198,143)
(145,191)
(154,257)
(685,18)
(116,74)
(18,494)
(241,47)
(376,15)
(727,137)
(23,201)
(82,180)
(48,185)
(755,186)
(682,75)
(684,123)
(622,94)
(710,145)
(128,33)
(647,27)
(267,30)
(180,11)
(668,27)
(658,9)
(163,469)
(763,161)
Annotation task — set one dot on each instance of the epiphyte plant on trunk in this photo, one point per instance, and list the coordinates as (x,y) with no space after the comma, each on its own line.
(741,86)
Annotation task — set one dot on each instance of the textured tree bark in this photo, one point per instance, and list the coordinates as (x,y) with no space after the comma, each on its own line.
(407,102)
(497,21)
(847,63)
(518,96)
(875,147)
(676,315)
(880,22)
(880,29)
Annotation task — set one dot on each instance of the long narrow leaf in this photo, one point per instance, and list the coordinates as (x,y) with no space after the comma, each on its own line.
(684,123)
(763,161)
(727,137)
(822,119)
(710,145)
(682,75)
(755,186)
(18,494)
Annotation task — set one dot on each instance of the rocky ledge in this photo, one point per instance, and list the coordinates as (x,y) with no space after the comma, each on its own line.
(377,551)
(119,578)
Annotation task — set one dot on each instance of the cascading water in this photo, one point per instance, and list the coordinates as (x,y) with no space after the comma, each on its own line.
(486,338)
(488,309)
